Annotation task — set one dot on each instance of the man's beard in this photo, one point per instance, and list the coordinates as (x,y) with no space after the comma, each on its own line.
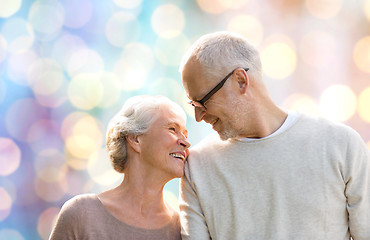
(228,133)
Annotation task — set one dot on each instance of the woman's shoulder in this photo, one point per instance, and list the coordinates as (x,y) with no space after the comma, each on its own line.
(79,203)
(73,217)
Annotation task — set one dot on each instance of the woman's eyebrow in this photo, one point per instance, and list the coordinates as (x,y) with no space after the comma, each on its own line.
(170,123)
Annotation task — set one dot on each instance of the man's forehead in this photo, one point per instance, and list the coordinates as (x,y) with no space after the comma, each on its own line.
(194,82)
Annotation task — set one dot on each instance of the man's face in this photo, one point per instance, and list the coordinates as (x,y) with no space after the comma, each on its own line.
(222,109)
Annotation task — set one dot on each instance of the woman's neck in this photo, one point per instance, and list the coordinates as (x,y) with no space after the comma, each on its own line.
(138,202)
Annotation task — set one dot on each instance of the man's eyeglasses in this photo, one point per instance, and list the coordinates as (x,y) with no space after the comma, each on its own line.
(201,102)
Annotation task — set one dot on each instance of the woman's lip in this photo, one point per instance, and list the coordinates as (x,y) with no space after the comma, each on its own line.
(182,154)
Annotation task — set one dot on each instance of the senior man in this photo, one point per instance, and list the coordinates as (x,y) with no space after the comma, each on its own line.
(268,174)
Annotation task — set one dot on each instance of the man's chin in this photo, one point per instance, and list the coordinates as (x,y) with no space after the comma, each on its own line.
(225,135)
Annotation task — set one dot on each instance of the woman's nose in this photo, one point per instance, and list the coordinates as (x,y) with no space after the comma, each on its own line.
(184,142)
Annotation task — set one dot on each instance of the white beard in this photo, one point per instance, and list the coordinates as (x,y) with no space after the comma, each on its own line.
(231,129)
(227,133)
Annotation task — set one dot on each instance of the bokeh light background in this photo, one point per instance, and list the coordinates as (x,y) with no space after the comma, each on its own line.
(66,67)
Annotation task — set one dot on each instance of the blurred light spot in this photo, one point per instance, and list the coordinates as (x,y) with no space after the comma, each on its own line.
(247,26)
(9,7)
(43,133)
(19,34)
(18,65)
(86,137)
(134,65)
(50,191)
(364,105)
(2,90)
(5,204)
(81,146)
(7,233)
(85,61)
(168,87)
(3,48)
(85,91)
(324,9)
(47,221)
(171,199)
(279,60)
(111,90)
(10,187)
(20,117)
(318,49)
(170,51)
(70,121)
(168,21)
(128,3)
(101,169)
(368,145)
(301,103)
(76,163)
(65,47)
(50,165)
(50,12)
(77,180)
(361,54)
(338,102)
(233,4)
(77,13)
(56,99)
(367,9)
(122,28)
(10,156)
(212,6)
(45,76)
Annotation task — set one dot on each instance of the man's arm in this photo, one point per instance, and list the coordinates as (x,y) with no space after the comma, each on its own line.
(358,189)
(193,222)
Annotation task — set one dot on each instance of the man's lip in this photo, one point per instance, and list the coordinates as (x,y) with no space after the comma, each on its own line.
(214,122)
(211,121)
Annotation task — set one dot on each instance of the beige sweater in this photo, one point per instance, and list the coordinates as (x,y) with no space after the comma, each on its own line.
(311,181)
(85,217)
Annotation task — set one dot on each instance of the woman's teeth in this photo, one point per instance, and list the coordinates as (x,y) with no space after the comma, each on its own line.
(177,155)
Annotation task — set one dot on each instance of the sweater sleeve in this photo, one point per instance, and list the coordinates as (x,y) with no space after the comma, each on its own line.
(357,190)
(68,222)
(193,223)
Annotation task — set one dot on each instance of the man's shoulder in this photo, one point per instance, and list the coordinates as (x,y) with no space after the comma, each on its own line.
(208,149)
(328,130)
(208,143)
(322,123)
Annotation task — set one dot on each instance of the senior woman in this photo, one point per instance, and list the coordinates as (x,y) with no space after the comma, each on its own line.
(147,142)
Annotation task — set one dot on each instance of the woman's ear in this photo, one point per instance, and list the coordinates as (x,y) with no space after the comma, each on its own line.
(133,141)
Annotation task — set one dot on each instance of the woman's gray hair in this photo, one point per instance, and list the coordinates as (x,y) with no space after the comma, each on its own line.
(135,118)
(221,52)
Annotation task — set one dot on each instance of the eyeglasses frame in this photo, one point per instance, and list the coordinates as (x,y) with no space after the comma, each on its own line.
(200,103)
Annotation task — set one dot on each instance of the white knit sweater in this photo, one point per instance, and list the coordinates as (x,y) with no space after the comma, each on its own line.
(311,181)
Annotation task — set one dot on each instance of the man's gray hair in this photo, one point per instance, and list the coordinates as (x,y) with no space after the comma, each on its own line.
(134,118)
(221,52)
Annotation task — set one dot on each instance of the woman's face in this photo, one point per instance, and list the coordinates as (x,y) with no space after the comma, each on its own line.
(164,148)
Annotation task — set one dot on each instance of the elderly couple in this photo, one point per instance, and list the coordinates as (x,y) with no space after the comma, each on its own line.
(267,175)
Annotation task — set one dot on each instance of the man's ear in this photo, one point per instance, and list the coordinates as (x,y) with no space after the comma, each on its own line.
(133,141)
(243,80)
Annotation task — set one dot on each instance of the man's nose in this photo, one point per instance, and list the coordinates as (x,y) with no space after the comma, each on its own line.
(199,113)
